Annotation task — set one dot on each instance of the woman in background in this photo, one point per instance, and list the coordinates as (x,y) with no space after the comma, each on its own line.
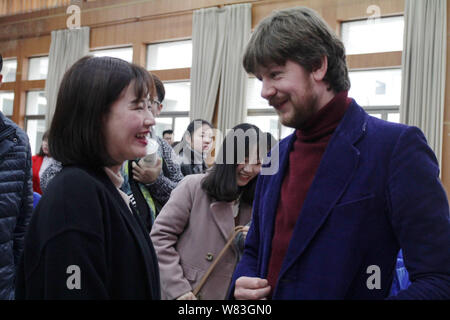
(40,162)
(84,240)
(201,214)
(194,147)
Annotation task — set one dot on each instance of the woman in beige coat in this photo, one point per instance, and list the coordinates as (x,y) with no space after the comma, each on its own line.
(195,224)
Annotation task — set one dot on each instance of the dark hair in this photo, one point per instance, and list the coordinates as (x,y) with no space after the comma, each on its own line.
(191,127)
(220,181)
(175,144)
(167,131)
(1,62)
(159,86)
(87,91)
(44,137)
(302,36)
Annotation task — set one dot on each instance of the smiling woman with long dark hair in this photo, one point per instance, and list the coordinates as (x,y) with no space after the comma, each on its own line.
(202,212)
(84,240)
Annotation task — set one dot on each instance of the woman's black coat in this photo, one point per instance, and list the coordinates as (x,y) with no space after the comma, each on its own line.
(84,243)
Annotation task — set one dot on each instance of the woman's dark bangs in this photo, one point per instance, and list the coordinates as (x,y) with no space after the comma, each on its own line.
(143,86)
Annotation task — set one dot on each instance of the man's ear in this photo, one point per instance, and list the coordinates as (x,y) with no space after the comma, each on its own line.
(320,72)
(159,109)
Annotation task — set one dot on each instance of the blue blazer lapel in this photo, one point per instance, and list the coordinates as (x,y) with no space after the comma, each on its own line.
(335,171)
(269,200)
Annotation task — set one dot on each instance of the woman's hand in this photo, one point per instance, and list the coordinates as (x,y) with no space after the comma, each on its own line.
(187,296)
(145,174)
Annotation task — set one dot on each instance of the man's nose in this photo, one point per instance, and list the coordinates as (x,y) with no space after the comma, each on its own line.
(267,90)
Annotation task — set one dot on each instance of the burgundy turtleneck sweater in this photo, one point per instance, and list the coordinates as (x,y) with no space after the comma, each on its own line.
(304,159)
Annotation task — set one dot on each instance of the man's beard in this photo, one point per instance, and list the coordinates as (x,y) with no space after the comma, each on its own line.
(302,113)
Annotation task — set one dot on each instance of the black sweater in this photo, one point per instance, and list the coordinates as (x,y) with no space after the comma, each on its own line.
(84,243)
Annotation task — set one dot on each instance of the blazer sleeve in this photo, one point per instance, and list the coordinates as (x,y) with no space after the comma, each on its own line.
(420,217)
(166,231)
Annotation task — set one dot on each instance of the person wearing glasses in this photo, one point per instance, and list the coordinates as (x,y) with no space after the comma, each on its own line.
(168,136)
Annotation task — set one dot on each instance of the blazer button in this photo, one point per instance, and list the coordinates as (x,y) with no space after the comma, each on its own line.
(209,256)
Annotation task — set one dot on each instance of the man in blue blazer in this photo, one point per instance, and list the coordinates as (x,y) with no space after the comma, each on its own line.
(351,190)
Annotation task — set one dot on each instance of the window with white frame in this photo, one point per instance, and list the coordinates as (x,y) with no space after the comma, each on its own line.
(37,68)
(169,55)
(261,114)
(384,34)
(164,57)
(378,92)
(175,112)
(9,70)
(125,53)
(36,107)
(7,103)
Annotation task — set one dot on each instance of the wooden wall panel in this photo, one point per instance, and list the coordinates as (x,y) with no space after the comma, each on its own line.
(36,46)
(173,74)
(149,31)
(101,13)
(10,7)
(375,60)
(357,9)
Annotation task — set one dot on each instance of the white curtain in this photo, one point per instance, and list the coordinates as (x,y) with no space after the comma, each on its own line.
(423,69)
(66,48)
(208,35)
(233,84)
(219,37)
